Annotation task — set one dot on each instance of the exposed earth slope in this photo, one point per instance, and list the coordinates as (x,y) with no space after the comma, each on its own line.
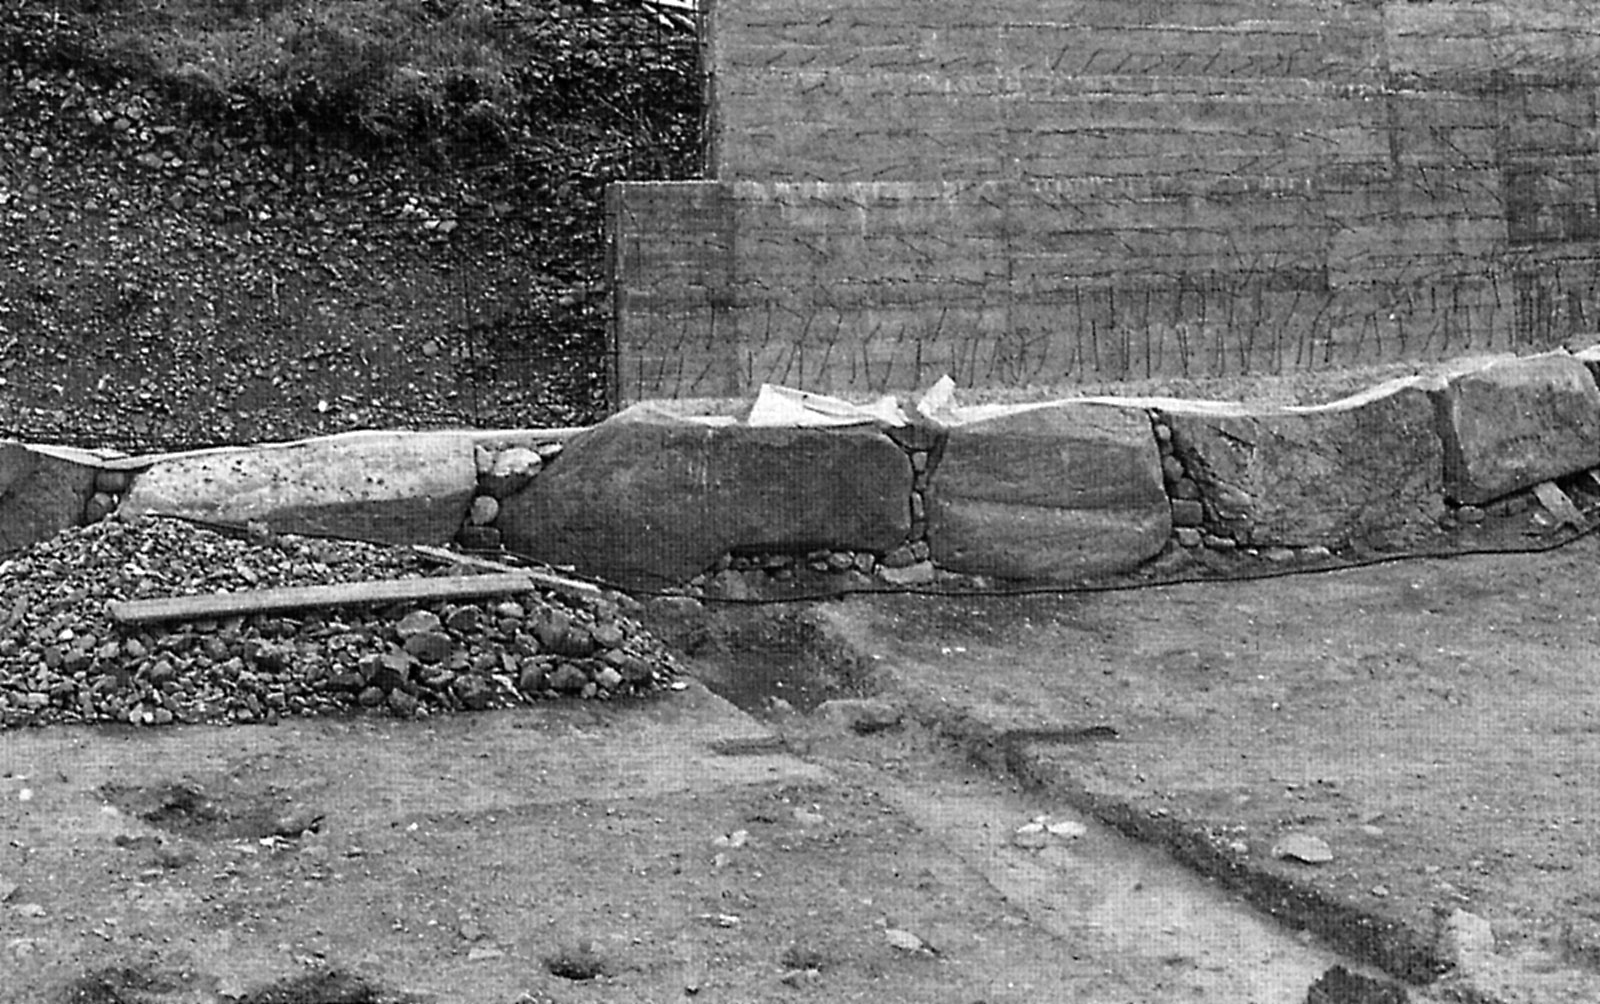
(235,222)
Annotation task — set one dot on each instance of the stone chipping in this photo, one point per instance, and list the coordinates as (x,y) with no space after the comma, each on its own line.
(63,659)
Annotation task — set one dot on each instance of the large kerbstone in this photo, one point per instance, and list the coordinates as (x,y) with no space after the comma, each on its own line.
(1052,493)
(649,498)
(1367,469)
(393,487)
(40,495)
(1517,422)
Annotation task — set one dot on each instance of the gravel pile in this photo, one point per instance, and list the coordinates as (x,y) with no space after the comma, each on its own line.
(62,658)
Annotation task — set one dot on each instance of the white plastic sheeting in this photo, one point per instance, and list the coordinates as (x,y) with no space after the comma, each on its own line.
(788,408)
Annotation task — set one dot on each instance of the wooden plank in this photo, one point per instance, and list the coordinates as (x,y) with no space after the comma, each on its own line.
(548,580)
(259,601)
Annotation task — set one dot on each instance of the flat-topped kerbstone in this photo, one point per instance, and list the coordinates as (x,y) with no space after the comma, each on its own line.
(1511,423)
(395,487)
(1366,470)
(653,495)
(1051,492)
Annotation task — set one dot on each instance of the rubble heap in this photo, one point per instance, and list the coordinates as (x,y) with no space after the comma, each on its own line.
(63,658)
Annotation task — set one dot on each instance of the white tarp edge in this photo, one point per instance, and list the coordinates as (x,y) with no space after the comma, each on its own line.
(787,407)
(938,403)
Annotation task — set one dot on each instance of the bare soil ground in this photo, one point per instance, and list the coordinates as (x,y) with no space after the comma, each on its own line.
(660,850)
(1432,721)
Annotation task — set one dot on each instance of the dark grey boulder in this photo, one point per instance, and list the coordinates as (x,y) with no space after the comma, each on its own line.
(41,494)
(1049,492)
(651,498)
(1516,422)
(1365,470)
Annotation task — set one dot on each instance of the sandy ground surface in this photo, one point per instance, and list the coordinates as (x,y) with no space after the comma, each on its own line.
(1433,722)
(664,850)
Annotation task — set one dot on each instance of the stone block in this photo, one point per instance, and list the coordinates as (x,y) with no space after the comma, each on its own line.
(1048,492)
(40,494)
(112,482)
(650,497)
(1516,422)
(1187,512)
(918,573)
(510,470)
(1367,469)
(479,538)
(392,487)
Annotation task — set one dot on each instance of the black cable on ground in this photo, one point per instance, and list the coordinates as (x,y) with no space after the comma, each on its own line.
(1063,589)
(1068,589)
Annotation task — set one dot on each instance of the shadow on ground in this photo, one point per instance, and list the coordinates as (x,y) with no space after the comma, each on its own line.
(761,658)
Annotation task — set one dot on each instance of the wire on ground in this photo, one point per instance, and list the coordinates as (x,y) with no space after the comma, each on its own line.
(511,559)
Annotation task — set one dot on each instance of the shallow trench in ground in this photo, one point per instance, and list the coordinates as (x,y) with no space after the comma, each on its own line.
(1164,930)
(1430,720)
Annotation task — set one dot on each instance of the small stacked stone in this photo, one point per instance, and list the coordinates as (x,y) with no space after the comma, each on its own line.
(775,565)
(109,486)
(741,575)
(919,488)
(62,659)
(862,562)
(500,474)
(1458,516)
(1188,512)
(911,563)
(1220,522)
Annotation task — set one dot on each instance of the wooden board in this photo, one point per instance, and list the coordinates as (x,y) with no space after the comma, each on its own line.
(548,580)
(259,601)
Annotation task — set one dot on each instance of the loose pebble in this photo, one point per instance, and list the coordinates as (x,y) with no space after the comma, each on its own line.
(905,941)
(1304,848)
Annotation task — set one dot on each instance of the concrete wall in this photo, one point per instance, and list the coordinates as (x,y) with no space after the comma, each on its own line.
(672,267)
(1024,193)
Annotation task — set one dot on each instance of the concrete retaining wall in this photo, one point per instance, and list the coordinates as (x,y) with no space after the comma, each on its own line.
(1019,194)
(1048,491)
